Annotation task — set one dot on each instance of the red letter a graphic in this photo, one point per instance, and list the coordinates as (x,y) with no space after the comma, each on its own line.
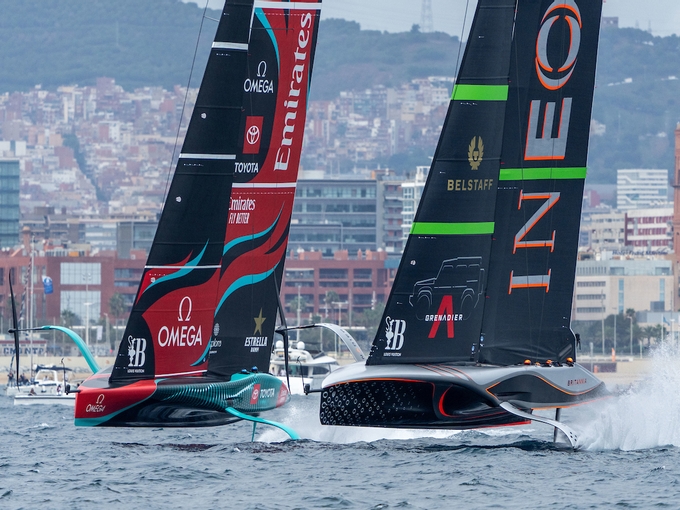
(445,313)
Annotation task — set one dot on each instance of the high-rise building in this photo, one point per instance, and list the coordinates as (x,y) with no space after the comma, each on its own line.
(331,215)
(636,189)
(9,202)
(412,191)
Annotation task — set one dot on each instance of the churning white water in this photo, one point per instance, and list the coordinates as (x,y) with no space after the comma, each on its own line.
(645,416)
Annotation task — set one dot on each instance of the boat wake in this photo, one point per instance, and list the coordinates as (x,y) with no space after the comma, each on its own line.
(645,416)
(302,415)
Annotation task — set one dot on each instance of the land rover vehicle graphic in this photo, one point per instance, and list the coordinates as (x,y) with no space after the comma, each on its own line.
(462,278)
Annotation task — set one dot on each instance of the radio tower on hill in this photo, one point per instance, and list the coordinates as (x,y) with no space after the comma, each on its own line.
(426,18)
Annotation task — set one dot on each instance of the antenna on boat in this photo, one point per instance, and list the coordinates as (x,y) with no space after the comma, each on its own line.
(15,329)
(284,332)
(63,366)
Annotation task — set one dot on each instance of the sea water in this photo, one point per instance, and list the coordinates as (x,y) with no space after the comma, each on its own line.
(628,457)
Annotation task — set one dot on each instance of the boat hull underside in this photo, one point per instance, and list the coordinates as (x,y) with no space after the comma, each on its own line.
(449,397)
(160,414)
(185,402)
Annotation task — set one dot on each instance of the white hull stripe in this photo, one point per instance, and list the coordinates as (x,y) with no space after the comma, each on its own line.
(230,46)
(295,6)
(227,157)
(182,267)
(197,372)
(256,185)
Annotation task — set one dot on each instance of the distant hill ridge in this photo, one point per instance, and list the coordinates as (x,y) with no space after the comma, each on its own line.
(152,43)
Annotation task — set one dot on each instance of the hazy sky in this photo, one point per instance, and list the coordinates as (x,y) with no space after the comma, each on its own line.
(400,15)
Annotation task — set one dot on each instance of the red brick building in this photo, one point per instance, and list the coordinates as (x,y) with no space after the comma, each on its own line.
(359,283)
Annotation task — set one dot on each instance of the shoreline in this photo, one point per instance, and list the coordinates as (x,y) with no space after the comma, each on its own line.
(628,370)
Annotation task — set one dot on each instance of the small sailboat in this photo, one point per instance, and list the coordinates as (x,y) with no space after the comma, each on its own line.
(476,331)
(197,344)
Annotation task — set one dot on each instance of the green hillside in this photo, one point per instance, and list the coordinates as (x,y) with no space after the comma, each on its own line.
(62,42)
(152,42)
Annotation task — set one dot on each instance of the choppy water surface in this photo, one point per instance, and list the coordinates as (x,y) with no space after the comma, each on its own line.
(629,458)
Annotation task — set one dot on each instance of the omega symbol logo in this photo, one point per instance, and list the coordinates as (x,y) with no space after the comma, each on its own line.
(253,135)
(189,305)
(262,70)
(100,399)
(476,152)
(554,78)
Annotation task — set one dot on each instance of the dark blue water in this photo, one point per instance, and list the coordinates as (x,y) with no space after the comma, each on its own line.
(628,458)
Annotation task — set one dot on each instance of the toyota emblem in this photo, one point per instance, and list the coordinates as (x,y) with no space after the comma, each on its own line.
(253,135)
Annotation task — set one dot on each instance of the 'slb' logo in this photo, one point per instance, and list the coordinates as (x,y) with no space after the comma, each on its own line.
(554,77)
(394,334)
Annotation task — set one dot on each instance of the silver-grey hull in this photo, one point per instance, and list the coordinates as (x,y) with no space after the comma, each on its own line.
(450,396)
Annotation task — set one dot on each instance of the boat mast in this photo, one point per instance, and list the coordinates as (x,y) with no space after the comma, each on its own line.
(30,298)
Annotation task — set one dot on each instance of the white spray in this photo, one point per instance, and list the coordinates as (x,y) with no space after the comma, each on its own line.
(645,416)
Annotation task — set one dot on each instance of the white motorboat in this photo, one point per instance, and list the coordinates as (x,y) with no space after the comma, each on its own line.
(48,380)
(304,367)
(45,399)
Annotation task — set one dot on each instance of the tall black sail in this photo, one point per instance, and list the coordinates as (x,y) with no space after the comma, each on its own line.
(435,310)
(543,168)
(230,198)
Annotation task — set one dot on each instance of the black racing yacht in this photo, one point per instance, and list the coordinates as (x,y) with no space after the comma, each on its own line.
(476,331)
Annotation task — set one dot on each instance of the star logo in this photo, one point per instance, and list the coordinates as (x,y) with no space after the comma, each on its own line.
(258,323)
(476,153)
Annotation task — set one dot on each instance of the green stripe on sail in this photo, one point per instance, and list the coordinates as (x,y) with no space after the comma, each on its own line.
(452,229)
(480,93)
(540,174)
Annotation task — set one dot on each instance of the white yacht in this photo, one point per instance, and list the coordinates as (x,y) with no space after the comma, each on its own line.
(304,367)
(48,380)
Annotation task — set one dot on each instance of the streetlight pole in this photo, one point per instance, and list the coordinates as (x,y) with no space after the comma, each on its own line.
(297,331)
(615,316)
(603,314)
(86,277)
(108,343)
(87,324)
(630,317)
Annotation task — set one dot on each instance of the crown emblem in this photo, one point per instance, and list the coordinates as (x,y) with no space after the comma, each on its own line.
(476,153)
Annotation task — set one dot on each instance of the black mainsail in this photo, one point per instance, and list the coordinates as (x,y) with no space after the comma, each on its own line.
(487,273)
(543,170)
(476,329)
(435,310)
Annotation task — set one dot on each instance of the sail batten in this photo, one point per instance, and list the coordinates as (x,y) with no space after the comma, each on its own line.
(467,92)
(478,228)
(537,174)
